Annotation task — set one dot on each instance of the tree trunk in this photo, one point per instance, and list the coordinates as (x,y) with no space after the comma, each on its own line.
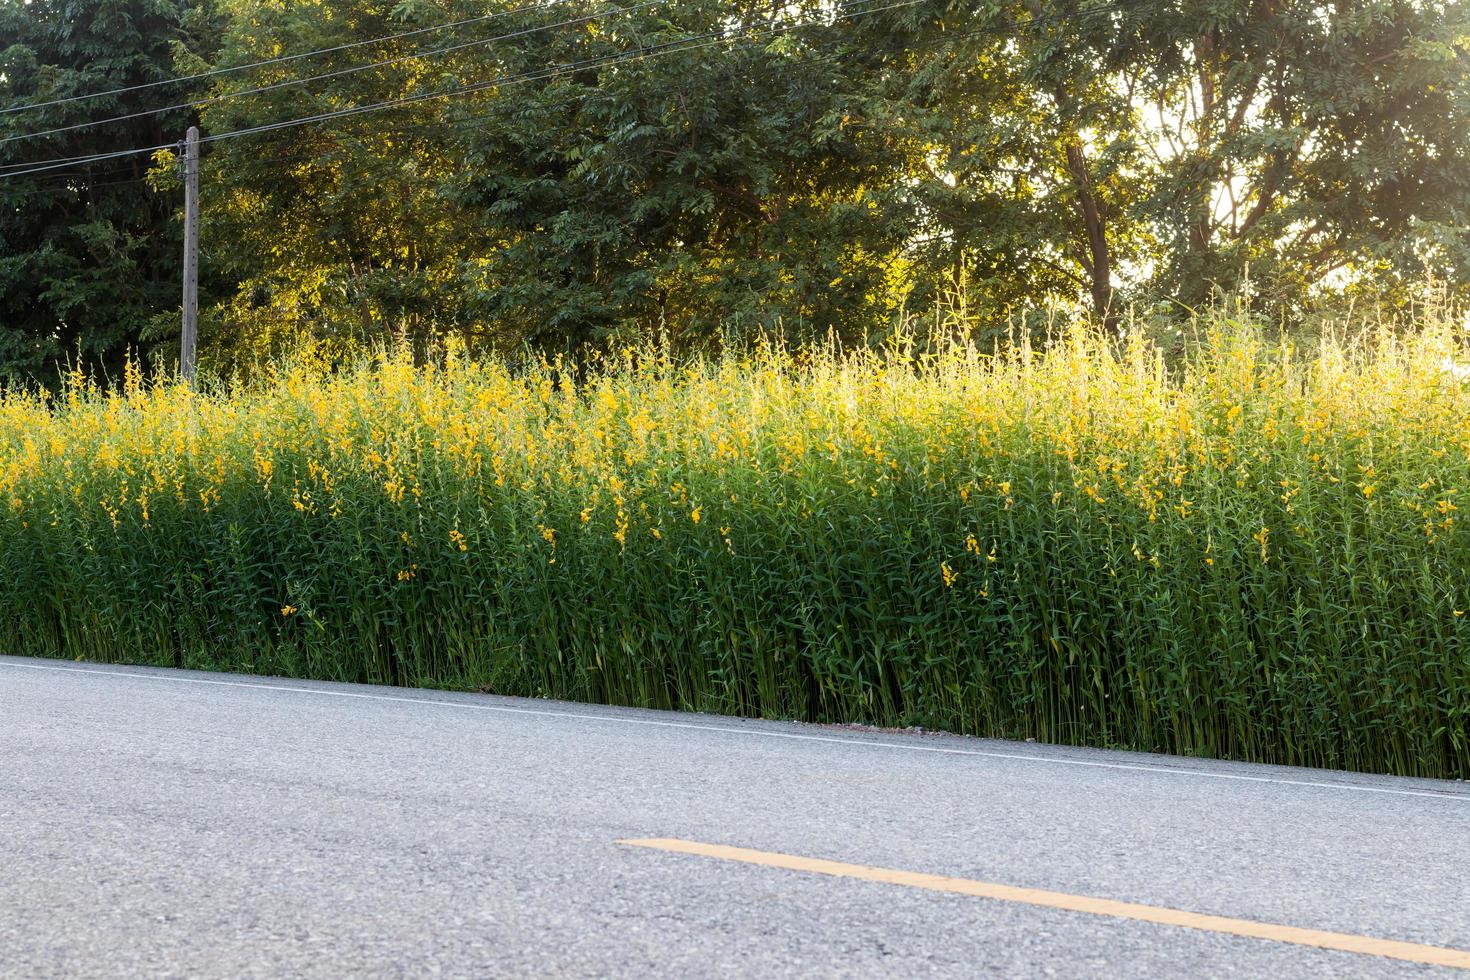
(1100,262)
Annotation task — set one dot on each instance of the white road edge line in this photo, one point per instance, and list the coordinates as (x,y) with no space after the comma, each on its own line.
(651,723)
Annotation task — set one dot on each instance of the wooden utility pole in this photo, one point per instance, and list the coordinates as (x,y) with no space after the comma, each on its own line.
(189,337)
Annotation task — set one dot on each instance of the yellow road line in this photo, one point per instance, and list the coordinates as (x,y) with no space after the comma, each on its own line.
(1346,942)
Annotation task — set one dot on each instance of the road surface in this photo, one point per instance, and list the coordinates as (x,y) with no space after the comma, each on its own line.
(170,823)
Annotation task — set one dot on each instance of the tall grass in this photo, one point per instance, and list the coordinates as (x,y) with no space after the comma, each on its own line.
(1256,555)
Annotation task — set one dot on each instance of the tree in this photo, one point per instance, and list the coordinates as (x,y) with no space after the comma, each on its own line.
(697,171)
(89,255)
(1168,149)
(1314,147)
(722,180)
(1020,179)
(338,231)
(572,172)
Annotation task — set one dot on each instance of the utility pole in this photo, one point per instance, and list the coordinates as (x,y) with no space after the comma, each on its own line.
(190,334)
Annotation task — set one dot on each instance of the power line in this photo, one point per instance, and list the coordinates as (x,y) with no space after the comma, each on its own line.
(86,159)
(388,168)
(272,61)
(212,100)
(688,43)
(454,124)
(639,54)
(706,39)
(62,162)
(90,185)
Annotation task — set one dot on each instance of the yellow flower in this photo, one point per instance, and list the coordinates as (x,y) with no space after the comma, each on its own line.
(456,538)
(694,515)
(948,573)
(288,610)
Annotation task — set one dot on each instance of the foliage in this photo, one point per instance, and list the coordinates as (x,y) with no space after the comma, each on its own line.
(1259,555)
(712,186)
(578,172)
(823,173)
(1311,145)
(336,232)
(1172,150)
(724,184)
(90,255)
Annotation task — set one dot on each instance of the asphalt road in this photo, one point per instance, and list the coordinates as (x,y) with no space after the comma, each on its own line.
(168,823)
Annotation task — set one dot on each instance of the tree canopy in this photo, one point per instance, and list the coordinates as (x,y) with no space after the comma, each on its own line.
(566,173)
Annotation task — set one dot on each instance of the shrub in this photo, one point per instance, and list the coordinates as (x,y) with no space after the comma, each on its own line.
(1256,554)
